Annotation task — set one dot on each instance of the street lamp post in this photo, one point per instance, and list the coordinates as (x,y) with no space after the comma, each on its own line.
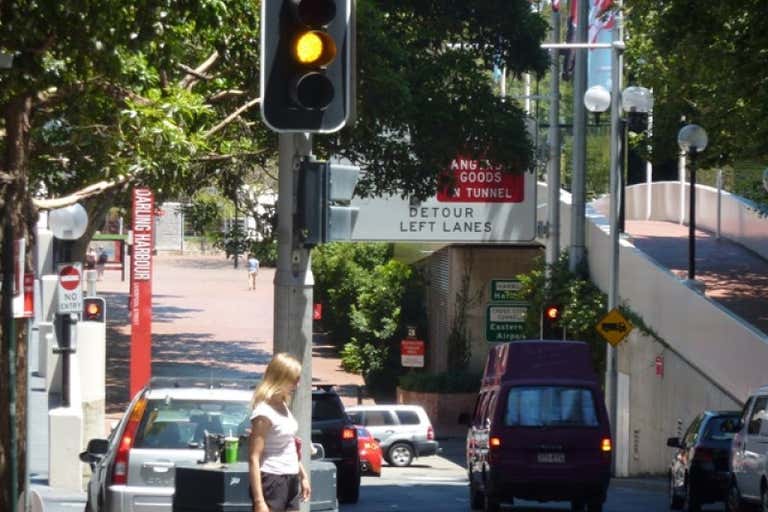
(692,139)
(636,101)
(68,224)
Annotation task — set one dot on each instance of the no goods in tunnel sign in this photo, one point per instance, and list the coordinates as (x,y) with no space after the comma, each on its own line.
(70,290)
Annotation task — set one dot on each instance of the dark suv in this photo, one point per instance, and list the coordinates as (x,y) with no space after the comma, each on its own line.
(332,428)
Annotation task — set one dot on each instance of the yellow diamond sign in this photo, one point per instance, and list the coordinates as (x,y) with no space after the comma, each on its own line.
(614,327)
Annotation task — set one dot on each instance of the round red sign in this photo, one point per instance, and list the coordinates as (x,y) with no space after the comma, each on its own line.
(69,277)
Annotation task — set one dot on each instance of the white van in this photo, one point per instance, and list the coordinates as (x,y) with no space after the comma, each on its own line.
(403,431)
(749,455)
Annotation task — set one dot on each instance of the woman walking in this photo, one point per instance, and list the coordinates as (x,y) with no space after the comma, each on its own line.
(278,479)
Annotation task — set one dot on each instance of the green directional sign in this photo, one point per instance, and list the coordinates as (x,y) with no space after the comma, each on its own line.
(504,290)
(506,322)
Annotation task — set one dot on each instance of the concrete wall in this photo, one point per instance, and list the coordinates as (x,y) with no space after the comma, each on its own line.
(739,220)
(169,228)
(661,406)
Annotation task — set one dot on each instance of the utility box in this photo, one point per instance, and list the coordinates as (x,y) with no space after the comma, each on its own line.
(226,487)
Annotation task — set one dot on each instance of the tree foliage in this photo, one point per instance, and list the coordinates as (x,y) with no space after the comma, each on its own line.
(706,63)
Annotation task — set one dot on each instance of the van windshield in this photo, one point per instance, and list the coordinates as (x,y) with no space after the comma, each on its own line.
(544,406)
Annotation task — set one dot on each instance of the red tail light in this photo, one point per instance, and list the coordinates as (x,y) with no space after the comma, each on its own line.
(494,442)
(348,433)
(430,433)
(120,468)
(702,455)
(605,445)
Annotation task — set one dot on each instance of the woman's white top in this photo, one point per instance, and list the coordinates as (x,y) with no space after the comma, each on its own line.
(279,456)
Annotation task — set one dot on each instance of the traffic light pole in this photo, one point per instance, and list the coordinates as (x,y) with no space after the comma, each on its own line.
(293,285)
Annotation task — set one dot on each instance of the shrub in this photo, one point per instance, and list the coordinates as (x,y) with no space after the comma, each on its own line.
(448,382)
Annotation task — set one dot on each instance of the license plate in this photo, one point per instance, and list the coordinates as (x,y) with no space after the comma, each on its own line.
(551,458)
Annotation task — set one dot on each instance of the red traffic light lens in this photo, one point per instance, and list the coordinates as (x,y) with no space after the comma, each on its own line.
(315,13)
(552,312)
(92,309)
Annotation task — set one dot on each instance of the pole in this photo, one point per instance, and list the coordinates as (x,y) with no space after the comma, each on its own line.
(611,359)
(692,218)
(9,332)
(624,152)
(65,331)
(293,286)
(578,186)
(553,174)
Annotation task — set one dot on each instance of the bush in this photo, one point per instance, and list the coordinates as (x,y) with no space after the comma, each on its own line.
(265,251)
(448,382)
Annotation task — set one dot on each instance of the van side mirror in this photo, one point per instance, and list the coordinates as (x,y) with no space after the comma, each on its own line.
(318,452)
(464,419)
(95,451)
(673,442)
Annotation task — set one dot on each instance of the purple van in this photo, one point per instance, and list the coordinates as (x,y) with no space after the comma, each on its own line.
(539,430)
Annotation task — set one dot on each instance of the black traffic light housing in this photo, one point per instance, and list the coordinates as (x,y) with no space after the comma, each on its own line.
(551,328)
(94,309)
(306,50)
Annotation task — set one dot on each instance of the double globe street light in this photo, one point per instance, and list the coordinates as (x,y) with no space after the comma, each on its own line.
(692,139)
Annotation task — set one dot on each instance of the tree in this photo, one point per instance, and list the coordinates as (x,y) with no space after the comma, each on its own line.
(106,94)
(706,64)
(205,214)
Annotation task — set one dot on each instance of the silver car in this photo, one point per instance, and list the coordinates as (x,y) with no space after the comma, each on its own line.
(134,469)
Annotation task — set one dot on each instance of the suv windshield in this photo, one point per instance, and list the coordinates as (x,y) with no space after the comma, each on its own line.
(182,423)
(543,406)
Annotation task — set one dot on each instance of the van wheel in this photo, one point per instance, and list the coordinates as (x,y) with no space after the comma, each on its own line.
(577,506)
(491,504)
(734,503)
(475,496)
(400,455)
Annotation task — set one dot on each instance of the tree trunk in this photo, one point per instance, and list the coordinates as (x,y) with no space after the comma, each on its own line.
(18,220)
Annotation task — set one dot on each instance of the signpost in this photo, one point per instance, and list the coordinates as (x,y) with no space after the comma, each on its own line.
(505,322)
(614,327)
(70,291)
(141,288)
(505,290)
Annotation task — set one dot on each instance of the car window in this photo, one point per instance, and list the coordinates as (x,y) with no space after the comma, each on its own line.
(489,409)
(550,406)
(169,424)
(477,413)
(356,417)
(759,412)
(326,407)
(745,410)
(713,429)
(689,439)
(377,418)
(408,417)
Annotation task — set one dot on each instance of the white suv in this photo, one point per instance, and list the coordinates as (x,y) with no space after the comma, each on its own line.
(749,455)
(403,431)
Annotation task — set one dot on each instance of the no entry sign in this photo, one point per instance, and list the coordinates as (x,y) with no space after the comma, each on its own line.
(70,291)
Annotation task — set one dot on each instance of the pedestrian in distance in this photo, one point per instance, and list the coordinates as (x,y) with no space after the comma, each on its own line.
(278,479)
(101,262)
(90,259)
(253,271)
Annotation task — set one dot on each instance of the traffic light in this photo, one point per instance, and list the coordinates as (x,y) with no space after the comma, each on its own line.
(324,213)
(550,322)
(94,309)
(305,64)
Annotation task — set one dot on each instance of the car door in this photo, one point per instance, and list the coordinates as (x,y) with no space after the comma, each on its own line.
(739,443)
(754,449)
(381,424)
(681,461)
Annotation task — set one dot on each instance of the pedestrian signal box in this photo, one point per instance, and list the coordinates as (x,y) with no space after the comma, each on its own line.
(94,309)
